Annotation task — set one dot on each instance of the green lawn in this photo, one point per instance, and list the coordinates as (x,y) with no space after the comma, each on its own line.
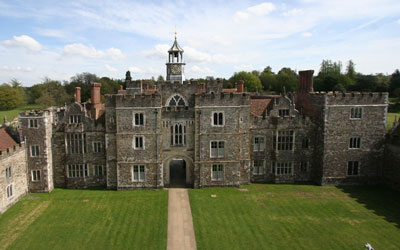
(296,217)
(87,219)
(390,119)
(10,114)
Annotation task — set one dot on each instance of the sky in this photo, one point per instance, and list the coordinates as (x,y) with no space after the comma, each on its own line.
(58,39)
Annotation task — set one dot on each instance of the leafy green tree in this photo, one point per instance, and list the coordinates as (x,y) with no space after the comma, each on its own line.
(251,82)
(83,80)
(394,82)
(10,97)
(268,80)
(286,80)
(50,93)
(351,70)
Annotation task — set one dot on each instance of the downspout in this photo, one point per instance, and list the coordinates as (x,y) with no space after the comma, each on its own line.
(199,124)
(156,143)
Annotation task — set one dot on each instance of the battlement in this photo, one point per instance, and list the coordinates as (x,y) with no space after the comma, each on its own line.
(336,97)
(11,151)
(35,113)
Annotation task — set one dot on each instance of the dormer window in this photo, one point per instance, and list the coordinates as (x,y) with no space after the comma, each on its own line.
(74,119)
(177,100)
(283,112)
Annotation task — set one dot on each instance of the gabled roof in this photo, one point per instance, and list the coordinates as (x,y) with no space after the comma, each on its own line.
(258,106)
(6,141)
(175,47)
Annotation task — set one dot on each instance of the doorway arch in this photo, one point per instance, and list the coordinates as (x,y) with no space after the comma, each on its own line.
(178,171)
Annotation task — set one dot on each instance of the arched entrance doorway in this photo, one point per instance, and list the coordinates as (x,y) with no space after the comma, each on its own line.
(177,173)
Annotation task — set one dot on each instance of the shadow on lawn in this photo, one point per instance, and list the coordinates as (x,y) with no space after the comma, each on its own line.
(383,201)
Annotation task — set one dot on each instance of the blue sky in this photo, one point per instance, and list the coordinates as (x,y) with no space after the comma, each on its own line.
(58,39)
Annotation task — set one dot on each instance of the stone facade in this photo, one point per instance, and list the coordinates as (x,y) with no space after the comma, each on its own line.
(223,137)
(13,175)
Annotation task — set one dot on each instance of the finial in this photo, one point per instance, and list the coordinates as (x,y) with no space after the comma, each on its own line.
(175,32)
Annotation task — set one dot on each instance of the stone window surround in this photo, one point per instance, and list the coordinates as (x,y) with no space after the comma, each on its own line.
(134,119)
(219,155)
(305,143)
(97,169)
(177,136)
(284,112)
(220,169)
(8,172)
(172,97)
(260,146)
(355,112)
(141,175)
(304,167)
(35,152)
(134,142)
(76,143)
(36,175)
(97,147)
(355,142)
(276,143)
(10,191)
(285,166)
(223,118)
(77,170)
(33,123)
(262,167)
(75,119)
(352,165)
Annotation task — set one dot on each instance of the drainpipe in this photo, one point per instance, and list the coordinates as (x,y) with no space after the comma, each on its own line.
(156,143)
(199,113)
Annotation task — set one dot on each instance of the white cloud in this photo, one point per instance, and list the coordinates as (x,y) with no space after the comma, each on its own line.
(110,68)
(241,16)
(245,67)
(262,9)
(159,51)
(398,21)
(136,70)
(52,33)
(24,41)
(78,49)
(293,12)
(16,68)
(306,34)
(201,70)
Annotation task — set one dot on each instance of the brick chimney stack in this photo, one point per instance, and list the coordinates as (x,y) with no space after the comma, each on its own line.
(97,106)
(78,94)
(306,81)
(240,86)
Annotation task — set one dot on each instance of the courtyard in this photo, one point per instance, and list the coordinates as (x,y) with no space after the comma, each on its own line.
(256,216)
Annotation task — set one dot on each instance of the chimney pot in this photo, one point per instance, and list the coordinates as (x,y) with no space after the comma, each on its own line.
(306,80)
(240,86)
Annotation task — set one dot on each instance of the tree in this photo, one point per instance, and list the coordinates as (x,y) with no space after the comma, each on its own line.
(50,93)
(83,80)
(251,82)
(394,82)
(160,79)
(286,80)
(10,97)
(268,80)
(350,70)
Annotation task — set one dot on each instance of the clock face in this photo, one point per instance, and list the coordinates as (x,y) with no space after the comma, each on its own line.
(176,69)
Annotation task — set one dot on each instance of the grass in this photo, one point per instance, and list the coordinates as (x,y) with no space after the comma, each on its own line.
(296,217)
(390,119)
(87,219)
(12,113)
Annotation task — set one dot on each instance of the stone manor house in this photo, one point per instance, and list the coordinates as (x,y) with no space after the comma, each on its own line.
(201,135)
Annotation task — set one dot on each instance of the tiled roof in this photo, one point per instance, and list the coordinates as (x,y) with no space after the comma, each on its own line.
(258,106)
(6,141)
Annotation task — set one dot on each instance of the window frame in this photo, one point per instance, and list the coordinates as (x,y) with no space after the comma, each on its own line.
(34,153)
(99,148)
(260,145)
(218,149)
(352,170)
(355,142)
(139,176)
(33,120)
(34,175)
(8,172)
(285,143)
(143,119)
(96,171)
(305,143)
(76,143)
(9,189)
(286,112)
(212,118)
(177,136)
(77,171)
(258,167)
(283,168)
(355,117)
(304,167)
(220,172)
(75,119)
(143,142)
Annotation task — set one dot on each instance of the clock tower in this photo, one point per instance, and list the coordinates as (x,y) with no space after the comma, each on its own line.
(175,64)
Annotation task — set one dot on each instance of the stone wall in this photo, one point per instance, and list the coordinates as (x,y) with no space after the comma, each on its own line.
(14,158)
